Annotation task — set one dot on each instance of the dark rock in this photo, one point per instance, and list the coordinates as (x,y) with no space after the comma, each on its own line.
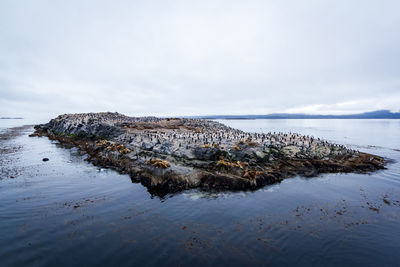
(148,146)
(210,153)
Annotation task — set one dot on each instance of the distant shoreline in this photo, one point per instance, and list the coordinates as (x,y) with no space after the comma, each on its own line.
(378,114)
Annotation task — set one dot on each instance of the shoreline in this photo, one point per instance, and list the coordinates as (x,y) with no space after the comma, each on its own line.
(172,155)
(7,148)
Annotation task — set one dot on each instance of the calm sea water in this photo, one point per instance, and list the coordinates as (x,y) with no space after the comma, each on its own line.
(66,211)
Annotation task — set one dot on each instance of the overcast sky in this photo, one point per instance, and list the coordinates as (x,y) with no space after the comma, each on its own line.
(170,58)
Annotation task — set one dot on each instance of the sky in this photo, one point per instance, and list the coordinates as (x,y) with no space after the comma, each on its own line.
(176,58)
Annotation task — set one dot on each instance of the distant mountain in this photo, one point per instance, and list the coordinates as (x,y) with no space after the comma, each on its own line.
(378,114)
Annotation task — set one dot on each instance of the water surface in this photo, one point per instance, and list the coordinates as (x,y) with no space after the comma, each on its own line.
(67,211)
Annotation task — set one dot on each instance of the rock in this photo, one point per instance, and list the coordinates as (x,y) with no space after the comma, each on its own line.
(162,149)
(260,155)
(170,155)
(148,146)
(208,153)
(239,155)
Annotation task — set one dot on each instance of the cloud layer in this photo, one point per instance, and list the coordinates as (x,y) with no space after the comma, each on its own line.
(198,57)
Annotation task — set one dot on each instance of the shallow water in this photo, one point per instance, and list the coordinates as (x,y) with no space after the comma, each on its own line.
(67,211)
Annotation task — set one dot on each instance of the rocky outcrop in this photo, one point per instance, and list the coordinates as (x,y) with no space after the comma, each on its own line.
(169,155)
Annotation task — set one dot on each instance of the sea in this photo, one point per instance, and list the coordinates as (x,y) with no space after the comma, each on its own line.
(68,212)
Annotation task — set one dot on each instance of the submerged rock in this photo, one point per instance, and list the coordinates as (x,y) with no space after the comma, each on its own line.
(169,155)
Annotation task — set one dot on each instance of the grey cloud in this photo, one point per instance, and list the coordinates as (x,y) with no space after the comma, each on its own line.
(198,57)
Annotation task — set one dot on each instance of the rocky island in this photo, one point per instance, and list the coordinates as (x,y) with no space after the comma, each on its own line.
(173,154)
